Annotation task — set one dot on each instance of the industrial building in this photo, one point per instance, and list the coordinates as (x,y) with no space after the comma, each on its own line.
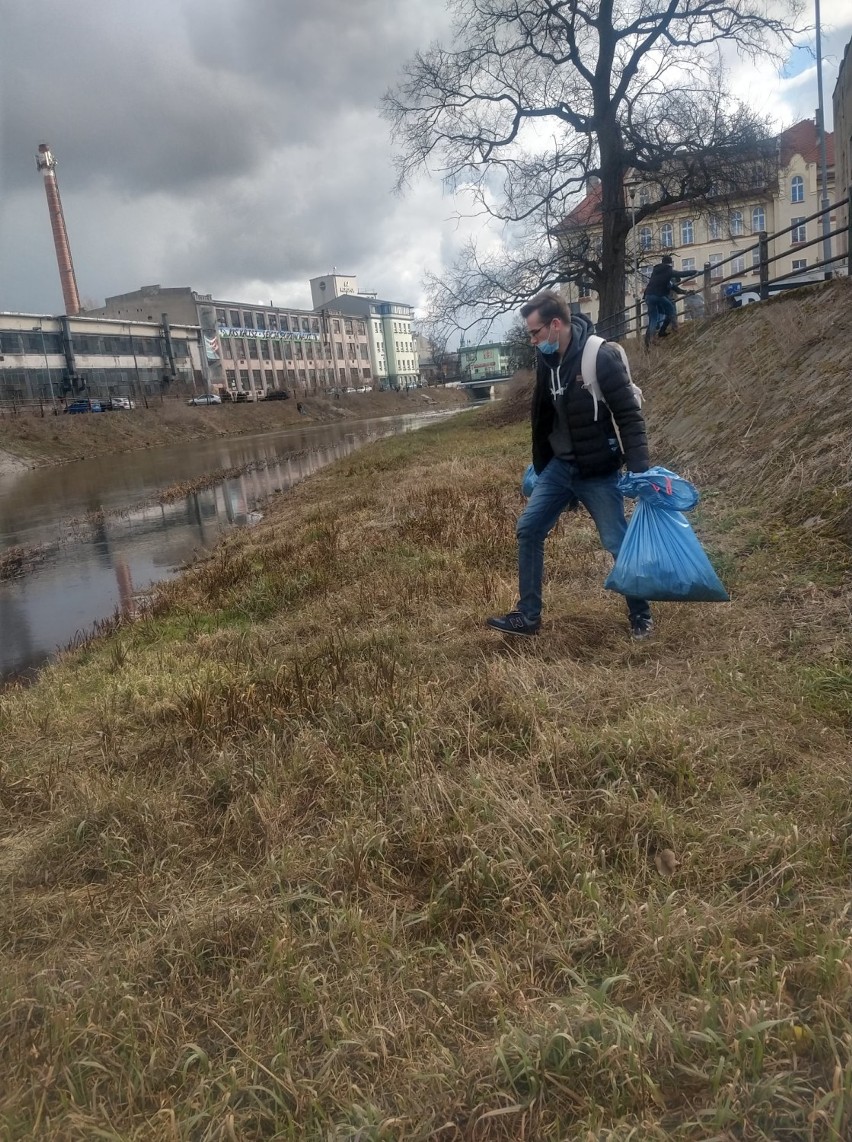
(49,358)
(254,348)
(394,355)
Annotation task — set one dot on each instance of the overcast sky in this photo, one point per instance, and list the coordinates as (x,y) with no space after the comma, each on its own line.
(237,147)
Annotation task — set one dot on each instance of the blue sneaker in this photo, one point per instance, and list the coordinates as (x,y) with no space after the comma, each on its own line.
(513,623)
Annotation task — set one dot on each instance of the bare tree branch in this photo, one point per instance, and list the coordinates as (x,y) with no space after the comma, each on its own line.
(536,96)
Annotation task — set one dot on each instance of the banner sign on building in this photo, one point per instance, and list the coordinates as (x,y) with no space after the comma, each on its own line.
(211,347)
(267,334)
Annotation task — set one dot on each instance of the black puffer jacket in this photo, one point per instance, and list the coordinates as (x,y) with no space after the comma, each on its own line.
(593,435)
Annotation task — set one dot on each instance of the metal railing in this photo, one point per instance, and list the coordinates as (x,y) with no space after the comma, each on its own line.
(630,322)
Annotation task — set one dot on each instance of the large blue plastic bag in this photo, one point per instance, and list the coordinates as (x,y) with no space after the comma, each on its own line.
(529,481)
(662,559)
(661,487)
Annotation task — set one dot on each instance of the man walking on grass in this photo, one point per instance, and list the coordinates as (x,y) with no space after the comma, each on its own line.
(576,452)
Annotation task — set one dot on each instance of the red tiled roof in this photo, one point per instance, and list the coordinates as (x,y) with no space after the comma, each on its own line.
(802,139)
(589,210)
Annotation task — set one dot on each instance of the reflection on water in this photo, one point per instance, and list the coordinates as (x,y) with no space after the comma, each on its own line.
(123,554)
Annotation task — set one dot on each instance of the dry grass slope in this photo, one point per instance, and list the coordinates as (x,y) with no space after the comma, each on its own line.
(306,853)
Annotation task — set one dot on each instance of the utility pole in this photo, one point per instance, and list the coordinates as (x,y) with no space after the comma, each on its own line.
(823,163)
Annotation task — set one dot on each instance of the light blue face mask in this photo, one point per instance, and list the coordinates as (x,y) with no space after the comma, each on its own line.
(547,347)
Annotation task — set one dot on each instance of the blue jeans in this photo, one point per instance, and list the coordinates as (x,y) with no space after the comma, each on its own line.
(558,485)
(658,307)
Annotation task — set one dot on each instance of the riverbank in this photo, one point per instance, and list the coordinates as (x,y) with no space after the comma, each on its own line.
(308,852)
(30,440)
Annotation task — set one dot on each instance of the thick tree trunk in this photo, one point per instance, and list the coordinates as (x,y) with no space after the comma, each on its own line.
(611,287)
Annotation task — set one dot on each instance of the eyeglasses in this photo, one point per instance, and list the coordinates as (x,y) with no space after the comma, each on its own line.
(533,333)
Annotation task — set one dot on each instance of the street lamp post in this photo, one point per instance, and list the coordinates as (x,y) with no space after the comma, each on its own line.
(40,330)
(824,203)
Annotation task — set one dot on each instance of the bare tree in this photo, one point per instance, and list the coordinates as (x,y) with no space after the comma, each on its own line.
(538,96)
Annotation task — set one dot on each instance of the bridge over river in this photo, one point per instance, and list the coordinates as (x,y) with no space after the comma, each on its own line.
(483,387)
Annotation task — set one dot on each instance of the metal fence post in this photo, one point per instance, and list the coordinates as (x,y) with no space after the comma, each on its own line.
(706,289)
(849,231)
(763,240)
(637,312)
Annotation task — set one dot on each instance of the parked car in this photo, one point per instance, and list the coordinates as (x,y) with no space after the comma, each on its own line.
(205,398)
(118,404)
(84,406)
(277,394)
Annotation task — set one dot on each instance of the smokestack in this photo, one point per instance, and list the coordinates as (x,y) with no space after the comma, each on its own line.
(46,163)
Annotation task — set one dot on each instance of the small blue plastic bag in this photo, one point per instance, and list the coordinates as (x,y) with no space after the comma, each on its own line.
(529,482)
(662,559)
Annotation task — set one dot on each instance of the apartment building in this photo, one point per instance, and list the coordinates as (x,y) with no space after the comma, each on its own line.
(394,354)
(710,236)
(255,348)
(479,362)
(842,106)
(46,357)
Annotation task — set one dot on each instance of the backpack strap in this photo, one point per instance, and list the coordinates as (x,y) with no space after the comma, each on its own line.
(589,370)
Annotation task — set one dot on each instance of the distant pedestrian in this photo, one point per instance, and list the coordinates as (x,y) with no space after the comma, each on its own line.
(661,309)
(299,409)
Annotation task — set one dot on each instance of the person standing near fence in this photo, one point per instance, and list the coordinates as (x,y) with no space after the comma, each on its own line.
(664,279)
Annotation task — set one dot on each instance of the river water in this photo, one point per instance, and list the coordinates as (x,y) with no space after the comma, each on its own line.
(114,543)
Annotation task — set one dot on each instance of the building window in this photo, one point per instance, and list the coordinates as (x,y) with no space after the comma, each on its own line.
(247,321)
(231,378)
(252,348)
(644,196)
(797,189)
(257,378)
(755,258)
(758,220)
(799,232)
(667,234)
(799,264)
(244,379)
(335,326)
(715,268)
(714,227)
(221,317)
(261,321)
(687,232)
(273,321)
(276,350)
(584,290)
(687,264)
(645,237)
(283,324)
(738,264)
(736,222)
(306,325)
(235,319)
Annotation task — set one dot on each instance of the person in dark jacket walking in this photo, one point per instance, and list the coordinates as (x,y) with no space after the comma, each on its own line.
(662,283)
(576,453)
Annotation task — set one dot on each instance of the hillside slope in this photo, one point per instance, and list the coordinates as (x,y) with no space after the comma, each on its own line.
(758,403)
(307,853)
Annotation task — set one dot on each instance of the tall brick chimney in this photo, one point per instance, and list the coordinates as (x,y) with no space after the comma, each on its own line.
(46,163)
